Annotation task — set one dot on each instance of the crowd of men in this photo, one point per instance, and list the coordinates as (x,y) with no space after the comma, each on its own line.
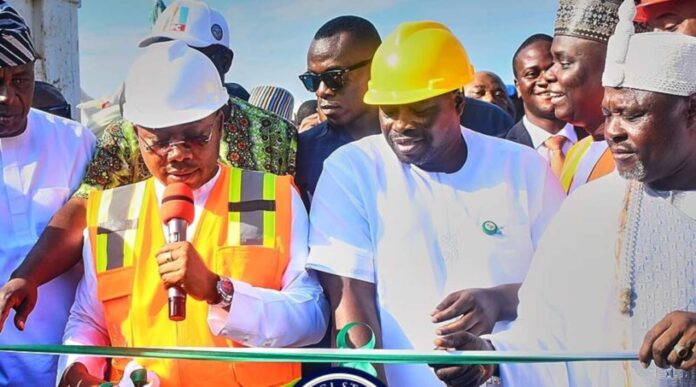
(410,204)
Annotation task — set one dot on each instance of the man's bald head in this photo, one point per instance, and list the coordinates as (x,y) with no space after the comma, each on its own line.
(487,86)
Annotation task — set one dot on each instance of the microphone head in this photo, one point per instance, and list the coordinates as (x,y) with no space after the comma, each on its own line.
(177,203)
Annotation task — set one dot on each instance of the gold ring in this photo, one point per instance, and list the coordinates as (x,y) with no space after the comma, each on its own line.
(170,258)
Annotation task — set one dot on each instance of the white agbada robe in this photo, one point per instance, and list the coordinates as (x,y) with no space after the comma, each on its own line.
(569,300)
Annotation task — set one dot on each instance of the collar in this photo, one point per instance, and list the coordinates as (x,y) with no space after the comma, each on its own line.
(539,135)
(199,196)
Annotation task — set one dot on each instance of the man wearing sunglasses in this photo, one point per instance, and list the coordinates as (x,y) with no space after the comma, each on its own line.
(241,265)
(338,68)
(252,138)
(401,223)
(337,72)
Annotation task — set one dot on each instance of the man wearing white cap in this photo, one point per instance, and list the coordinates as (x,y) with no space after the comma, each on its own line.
(615,269)
(242,265)
(252,138)
(42,159)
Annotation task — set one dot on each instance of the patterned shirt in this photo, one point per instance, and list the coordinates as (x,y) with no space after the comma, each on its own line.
(252,138)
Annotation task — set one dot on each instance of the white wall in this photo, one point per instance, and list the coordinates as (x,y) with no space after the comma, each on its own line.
(53,26)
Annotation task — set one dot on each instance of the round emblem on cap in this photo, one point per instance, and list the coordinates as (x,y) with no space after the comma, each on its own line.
(216,30)
(490,228)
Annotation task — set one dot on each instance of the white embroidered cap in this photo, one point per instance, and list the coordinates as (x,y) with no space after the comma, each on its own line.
(662,62)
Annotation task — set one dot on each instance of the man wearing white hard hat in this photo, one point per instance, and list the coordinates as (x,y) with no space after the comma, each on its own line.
(242,265)
(615,269)
(252,138)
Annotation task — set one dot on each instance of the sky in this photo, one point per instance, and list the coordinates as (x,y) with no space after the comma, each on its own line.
(270,37)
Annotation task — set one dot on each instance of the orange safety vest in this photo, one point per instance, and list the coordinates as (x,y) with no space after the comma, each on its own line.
(243,232)
(603,166)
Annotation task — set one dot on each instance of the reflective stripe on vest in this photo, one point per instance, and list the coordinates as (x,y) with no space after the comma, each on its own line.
(575,154)
(252,217)
(252,209)
(117,224)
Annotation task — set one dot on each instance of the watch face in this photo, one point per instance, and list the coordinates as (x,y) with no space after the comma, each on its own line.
(226,286)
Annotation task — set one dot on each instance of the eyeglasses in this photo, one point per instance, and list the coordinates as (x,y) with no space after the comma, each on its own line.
(163,147)
(60,110)
(333,79)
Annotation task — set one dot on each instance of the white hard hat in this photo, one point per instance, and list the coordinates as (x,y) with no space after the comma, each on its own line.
(192,22)
(172,84)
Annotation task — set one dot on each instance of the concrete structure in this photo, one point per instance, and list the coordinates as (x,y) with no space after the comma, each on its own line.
(53,25)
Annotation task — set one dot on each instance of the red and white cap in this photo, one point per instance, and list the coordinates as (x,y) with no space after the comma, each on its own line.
(643,9)
(192,22)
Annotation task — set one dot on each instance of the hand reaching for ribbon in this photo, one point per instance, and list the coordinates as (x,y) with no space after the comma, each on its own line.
(671,342)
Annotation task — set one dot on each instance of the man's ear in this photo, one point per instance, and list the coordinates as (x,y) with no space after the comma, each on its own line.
(517,87)
(459,101)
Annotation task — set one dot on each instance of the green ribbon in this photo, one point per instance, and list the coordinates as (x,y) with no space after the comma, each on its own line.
(321,355)
(342,343)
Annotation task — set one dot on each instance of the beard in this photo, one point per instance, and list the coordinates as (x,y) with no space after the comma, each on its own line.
(635,173)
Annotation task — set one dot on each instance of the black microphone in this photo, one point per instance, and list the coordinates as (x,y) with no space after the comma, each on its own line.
(177,213)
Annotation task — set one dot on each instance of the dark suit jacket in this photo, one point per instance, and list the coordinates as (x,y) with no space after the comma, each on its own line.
(519,134)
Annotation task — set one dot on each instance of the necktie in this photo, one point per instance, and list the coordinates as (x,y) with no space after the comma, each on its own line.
(556,157)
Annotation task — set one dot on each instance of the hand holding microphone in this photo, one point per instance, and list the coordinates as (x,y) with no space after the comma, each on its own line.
(180,266)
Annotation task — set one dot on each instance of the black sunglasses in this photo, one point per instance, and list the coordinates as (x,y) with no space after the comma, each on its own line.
(333,79)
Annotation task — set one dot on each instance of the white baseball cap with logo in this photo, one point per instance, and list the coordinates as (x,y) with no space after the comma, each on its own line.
(172,84)
(192,22)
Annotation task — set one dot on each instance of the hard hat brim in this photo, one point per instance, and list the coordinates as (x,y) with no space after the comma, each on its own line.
(375,97)
(155,120)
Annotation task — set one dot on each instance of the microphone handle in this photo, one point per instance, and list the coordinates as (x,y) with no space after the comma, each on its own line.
(177,296)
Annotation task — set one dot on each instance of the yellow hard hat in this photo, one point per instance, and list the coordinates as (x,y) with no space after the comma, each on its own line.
(419,60)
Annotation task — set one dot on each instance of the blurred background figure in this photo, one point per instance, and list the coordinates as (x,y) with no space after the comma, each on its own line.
(517,102)
(49,99)
(539,128)
(97,114)
(668,15)
(236,90)
(274,99)
(308,116)
(488,86)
